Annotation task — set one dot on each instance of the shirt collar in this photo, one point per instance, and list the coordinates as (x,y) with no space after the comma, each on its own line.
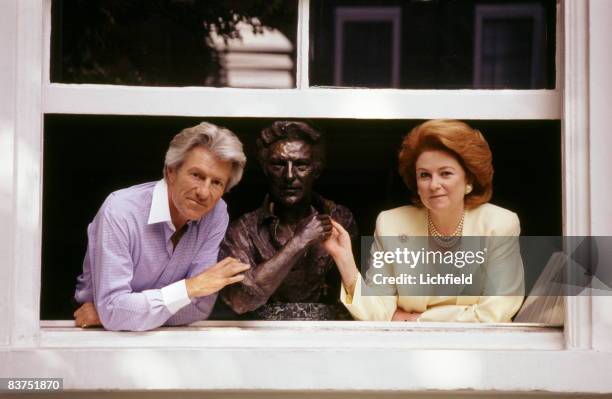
(160,207)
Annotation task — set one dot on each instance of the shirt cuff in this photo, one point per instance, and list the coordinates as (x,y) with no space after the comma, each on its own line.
(175,296)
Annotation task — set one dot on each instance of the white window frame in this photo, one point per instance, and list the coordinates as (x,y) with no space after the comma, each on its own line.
(244,356)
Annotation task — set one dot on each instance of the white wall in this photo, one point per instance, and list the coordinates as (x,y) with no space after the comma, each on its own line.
(600,104)
(8,43)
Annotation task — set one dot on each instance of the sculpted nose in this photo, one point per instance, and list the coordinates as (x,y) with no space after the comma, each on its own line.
(289,174)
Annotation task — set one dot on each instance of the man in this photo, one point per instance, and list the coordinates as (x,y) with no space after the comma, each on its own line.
(292,276)
(152,248)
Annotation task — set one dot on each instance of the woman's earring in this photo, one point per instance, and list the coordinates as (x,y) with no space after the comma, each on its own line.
(468,189)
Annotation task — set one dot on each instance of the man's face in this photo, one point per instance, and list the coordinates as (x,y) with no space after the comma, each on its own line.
(195,187)
(290,171)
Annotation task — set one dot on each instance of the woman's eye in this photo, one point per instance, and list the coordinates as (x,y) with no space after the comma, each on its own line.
(423,175)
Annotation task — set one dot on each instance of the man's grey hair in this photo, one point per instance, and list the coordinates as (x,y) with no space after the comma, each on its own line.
(221,141)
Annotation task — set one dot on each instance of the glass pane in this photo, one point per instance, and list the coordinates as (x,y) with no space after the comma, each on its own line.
(247,43)
(360,173)
(433,44)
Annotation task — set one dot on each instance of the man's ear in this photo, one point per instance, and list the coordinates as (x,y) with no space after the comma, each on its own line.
(170,174)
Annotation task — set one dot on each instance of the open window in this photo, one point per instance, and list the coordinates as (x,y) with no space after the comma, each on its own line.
(45,111)
(118,71)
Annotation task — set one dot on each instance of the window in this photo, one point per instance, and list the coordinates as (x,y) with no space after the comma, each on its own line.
(37,95)
(361,157)
(121,43)
(174,43)
(471,44)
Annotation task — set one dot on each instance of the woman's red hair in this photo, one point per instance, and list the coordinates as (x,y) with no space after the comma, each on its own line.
(456,138)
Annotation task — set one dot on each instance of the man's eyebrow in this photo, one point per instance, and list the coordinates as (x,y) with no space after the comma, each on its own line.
(212,174)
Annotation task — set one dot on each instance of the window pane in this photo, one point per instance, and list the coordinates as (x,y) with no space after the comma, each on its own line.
(248,43)
(433,44)
(83,163)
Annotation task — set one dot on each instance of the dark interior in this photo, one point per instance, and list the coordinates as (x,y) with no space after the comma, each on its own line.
(86,157)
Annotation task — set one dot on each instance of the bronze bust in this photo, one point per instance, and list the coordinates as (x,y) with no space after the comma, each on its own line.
(292,277)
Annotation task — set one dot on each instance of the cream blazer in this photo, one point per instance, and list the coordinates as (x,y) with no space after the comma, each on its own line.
(503,268)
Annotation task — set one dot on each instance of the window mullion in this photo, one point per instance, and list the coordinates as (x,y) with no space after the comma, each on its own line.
(47,22)
(576,184)
(303,44)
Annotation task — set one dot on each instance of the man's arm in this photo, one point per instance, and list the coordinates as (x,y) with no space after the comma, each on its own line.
(120,308)
(112,268)
(201,306)
(262,280)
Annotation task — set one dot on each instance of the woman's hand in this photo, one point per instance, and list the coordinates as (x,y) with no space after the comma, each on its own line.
(338,245)
(402,315)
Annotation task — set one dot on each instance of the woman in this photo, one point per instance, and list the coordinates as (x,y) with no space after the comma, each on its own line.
(448,165)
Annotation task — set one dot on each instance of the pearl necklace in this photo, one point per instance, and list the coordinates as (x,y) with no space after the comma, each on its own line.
(445,241)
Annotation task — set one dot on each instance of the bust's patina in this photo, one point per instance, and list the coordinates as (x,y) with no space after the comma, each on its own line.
(291,277)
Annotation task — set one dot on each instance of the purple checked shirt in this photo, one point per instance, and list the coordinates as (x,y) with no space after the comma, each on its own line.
(130,270)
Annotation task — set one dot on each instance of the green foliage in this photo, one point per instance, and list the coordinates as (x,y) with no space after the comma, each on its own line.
(154,42)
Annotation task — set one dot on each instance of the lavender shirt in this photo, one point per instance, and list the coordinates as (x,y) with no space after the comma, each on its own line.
(130,270)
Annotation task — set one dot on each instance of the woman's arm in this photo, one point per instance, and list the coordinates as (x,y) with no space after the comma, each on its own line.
(362,307)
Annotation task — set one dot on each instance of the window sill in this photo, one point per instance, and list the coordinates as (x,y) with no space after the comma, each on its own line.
(313,357)
(312,335)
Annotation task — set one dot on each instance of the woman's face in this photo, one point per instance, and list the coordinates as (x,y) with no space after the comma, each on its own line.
(440,180)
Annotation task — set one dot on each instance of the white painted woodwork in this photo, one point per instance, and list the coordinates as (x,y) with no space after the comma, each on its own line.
(321,335)
(303,39)
(305,356)
(310,103)
(576,187)
(600,100)
(8,66)
(27,217)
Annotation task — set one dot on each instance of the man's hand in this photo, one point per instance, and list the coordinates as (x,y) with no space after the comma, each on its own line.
(314,229)
(226,272)
(86,316)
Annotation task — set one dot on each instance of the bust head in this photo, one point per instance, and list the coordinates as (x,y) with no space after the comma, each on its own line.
(292,155)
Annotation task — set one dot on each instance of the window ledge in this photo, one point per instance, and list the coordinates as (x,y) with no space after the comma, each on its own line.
(312,335)
(306,357)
